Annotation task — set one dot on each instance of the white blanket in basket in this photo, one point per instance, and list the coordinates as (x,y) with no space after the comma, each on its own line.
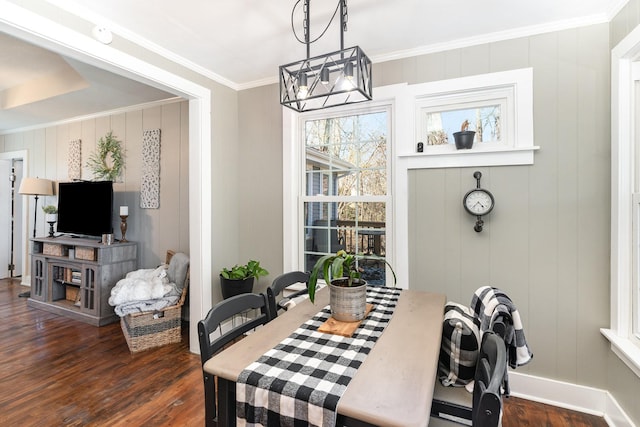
(143,290)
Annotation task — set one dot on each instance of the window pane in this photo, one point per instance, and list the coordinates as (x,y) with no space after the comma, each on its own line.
(346,159)
(485,121)
(347,156)
(356,227)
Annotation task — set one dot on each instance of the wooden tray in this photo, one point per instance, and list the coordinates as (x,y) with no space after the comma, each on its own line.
(345,329)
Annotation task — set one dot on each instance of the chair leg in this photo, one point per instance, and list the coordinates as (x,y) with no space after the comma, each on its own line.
(210,415)
(489,411)
(226,402)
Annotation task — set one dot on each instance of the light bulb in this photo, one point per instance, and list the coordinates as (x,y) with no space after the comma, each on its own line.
(303,90)
(347,82)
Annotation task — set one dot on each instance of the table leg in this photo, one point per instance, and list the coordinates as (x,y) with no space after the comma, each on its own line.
(226,402)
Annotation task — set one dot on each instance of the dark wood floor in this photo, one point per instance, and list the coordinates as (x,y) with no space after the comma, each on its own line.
(59,372)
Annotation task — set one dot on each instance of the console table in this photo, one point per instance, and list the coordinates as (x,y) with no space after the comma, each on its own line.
(73,277)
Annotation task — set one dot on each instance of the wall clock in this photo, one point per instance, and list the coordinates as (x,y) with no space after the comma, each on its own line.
(478,202)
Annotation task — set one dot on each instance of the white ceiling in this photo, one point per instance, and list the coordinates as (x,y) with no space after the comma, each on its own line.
(241,43)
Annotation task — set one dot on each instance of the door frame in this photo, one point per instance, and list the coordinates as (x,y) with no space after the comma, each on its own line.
(22,233)
(44,32)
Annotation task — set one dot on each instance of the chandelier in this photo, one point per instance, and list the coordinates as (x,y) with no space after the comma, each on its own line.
(337,78)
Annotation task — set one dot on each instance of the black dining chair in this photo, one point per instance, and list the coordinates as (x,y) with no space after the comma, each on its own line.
(279,284)
(455,405)
(213,322)
(487,388)
(483,408)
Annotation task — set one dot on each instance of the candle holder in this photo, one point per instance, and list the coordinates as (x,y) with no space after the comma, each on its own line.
(51,228)
(123,227)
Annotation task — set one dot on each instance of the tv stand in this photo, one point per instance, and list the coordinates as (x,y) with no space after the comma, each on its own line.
(73,276)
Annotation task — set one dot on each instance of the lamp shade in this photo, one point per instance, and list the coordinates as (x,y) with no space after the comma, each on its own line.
(36,187)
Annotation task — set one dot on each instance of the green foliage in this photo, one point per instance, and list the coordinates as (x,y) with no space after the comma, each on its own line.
(239,272)
(339,265)
(50,209)
(108,146)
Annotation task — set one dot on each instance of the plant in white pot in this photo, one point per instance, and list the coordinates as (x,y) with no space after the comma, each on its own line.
(347,289)
(51,213)
(239,278)
(51,216)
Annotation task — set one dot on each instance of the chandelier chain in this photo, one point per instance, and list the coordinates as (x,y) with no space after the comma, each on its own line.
(305,22)
(345,15)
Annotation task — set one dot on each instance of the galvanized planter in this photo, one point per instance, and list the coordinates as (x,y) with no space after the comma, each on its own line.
(348,303)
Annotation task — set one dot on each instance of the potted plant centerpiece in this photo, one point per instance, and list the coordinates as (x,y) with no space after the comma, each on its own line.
(239,278)
(464,139)
(347,290)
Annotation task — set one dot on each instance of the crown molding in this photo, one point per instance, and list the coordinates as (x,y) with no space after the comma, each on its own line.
(84,13)
(493,38)
(113,112)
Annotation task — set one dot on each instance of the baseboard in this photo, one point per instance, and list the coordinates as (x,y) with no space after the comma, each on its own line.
(569,396)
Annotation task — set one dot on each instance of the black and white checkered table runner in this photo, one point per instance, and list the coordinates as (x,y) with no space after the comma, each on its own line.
(299,382)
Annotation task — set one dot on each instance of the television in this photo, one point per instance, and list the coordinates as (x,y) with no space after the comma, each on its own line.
(85,208)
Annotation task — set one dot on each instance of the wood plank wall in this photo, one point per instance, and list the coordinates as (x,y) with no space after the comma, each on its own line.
(546,243)
(155,230)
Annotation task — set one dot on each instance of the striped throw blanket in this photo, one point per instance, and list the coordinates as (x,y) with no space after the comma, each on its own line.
(489,304)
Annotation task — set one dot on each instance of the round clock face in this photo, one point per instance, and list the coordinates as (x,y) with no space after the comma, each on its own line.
(478,202)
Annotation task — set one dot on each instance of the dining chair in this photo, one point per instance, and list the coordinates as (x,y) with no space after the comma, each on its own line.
(216,320)
(483,407)
(487,388)
(279,284)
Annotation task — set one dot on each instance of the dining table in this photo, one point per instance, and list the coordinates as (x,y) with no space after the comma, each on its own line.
(392,387)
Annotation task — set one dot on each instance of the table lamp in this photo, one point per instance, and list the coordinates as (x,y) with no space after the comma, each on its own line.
(36,187)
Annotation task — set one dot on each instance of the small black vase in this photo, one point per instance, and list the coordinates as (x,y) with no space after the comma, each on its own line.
(233,287)
(464,139)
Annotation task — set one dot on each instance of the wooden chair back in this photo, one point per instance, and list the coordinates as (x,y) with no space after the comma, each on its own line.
(214,320)
(280,283)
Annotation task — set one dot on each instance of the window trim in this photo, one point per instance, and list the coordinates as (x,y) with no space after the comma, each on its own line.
(517,149)
(622,183)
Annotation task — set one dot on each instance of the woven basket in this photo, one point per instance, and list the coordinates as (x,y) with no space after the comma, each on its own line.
(88,254)
(155,328)
(53,249)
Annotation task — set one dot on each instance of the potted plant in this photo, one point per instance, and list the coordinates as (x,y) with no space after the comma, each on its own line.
(51,213)
(239,278)
(348,291)
(464,138)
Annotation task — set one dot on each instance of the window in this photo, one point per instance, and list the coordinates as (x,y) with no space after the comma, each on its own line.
(483,113)
(624,332)
(486,119)
(498,107)
(343,200)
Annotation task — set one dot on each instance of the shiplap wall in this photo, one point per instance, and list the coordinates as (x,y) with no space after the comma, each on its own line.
(622,383)
(155,230)
(546,243)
